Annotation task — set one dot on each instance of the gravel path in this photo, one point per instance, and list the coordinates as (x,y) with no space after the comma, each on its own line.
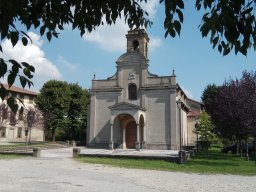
(56,171)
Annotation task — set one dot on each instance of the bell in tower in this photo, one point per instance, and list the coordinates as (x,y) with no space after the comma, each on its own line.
(137,40)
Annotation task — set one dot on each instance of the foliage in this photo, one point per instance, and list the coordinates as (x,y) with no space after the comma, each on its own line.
(53,102)
(204,128)
(208,97)
(25,118)
(64,109)
(50,17)
(77,113)
(235,106)
(230,24)
(3,113)
(33,118)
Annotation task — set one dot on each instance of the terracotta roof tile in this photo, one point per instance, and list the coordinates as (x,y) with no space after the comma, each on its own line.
(193,114)
(19,90)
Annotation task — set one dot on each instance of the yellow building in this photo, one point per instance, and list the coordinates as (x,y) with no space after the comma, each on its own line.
(15,127)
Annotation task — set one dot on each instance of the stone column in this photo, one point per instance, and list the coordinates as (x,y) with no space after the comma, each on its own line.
(76,152)
(138,138)
(144,146)
(124,141)
(111,145)
(36,152)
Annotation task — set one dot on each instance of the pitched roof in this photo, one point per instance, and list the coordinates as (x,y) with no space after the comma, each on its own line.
(19,90)
(125,104)
(193,114)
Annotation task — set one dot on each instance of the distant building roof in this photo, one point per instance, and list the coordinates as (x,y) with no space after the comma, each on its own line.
(193,114)
(19,90)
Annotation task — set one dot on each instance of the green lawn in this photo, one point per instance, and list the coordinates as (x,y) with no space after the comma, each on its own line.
(212,162)
(10,156)
(25,144)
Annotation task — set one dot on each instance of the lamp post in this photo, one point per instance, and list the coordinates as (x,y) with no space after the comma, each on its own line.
(179,105)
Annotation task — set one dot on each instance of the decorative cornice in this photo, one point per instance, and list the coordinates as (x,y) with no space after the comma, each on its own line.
(163,87)
(109,89)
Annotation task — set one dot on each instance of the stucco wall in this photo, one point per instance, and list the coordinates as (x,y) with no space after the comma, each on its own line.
(191,134)
(158,119)
(102,131)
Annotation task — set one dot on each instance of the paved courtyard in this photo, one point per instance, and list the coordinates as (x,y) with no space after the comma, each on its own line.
(57,171)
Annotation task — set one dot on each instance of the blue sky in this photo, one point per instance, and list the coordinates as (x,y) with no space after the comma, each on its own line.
(75,59)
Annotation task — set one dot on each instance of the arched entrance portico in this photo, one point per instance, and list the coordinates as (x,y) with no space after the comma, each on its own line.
(127,126)
(128,131)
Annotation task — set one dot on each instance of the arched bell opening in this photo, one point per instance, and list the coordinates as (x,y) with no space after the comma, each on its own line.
(136,45)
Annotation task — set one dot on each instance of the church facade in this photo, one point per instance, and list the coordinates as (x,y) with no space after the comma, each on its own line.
(137,109)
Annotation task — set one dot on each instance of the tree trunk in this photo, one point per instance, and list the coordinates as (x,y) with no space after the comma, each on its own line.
(29,137)
(241,150)
(237,147)
(255,150)
(53,135)
(247,151)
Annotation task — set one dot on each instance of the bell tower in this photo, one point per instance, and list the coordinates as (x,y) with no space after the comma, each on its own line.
(137,40)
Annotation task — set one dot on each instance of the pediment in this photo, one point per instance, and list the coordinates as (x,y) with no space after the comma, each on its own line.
(126,106)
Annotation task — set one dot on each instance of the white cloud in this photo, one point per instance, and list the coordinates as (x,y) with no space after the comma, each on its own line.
(109,38)
(150,7)
(154,43)
(34,55)
(112,38)
(67,64)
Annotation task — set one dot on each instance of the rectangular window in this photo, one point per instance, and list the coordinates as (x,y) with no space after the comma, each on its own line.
(2,131)
(21,97)
(19,133)
(31,99)
(14,95)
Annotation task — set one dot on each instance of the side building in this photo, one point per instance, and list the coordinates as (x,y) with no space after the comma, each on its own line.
(17,127)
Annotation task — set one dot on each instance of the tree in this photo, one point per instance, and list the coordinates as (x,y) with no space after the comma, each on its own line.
(53,102)
(227,115)
(3,114)
(230,24)
(77,113)
(204,128)
(235,108)
(30,118)
(64,108)
(208,97)
(33,118)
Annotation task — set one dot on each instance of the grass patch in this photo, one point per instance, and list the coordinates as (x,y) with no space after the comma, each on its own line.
(23,144)
(211,162)
(10,156)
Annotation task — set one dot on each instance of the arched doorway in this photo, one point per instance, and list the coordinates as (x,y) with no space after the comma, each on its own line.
(131,135)
(125,131)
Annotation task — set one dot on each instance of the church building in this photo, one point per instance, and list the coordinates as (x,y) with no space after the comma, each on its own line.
(135,109)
